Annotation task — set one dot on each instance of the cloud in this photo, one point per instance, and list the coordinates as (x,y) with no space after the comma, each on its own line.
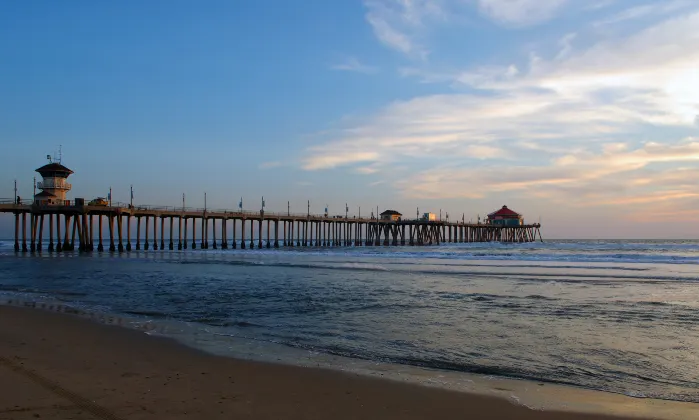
(367,170)
(575,178)
(645,10)
(615,112)
(398,24)
(269,165)
(354,65)
(520,12)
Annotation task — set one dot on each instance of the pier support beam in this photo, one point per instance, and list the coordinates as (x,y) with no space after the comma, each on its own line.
(276,233)
(269,245)
(50,234)
(32,233)
(172,246)
(145,244)
(112,248)
(213,232)
(24,232)
(252,234)
(184,245)
(75,230)
(224,233)
(138,233)
(234,243)
(59,242)
(155,233)
(79,231)
(83,232)
(242,233)
(259,234)
(66,242)
(100,246)
(120,245)
(41,233)
(162,233)
(194,233)
(179,233)
(204,241)
(17,232)
(128,233)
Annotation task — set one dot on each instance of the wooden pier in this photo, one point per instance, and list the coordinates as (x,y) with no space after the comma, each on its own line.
(73,225)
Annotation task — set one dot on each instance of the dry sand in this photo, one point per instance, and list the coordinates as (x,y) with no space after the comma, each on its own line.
(58,366)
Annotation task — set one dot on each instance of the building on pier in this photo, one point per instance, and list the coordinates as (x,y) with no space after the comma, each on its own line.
(53,186)
(391,215)
(505,217)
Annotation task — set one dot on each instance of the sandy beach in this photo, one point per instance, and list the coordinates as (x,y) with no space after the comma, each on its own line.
(60,366)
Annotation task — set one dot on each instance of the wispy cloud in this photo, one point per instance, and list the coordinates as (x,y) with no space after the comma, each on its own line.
(354,65)
(618,112)
(646,10)
(398,24)
(520,12)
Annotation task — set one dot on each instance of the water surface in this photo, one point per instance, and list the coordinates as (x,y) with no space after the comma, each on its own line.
(619,316)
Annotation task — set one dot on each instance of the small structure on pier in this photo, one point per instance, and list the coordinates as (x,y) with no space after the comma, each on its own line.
(53,186)
(391,215)
(505,217)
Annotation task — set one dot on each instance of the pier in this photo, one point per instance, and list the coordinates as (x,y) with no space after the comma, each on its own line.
(72,227)
(74,223)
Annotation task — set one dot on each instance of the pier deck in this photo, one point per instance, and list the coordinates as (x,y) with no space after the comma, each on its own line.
(79,224)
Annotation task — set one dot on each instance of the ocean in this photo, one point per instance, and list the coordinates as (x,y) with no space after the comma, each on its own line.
(618,316)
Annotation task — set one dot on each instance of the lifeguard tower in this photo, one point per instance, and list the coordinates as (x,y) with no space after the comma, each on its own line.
(53,186)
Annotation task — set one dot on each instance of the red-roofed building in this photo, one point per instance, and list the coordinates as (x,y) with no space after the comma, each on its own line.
(505,217)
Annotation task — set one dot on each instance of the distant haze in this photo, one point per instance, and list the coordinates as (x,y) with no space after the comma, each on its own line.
(582,113)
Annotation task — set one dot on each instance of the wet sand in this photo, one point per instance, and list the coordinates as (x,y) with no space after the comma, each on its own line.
(60,366)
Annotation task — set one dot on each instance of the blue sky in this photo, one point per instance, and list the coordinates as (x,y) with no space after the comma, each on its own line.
(583,113)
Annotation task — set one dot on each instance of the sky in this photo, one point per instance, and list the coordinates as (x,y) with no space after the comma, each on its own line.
(581,114)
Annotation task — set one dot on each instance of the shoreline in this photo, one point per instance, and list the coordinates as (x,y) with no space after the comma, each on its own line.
(125,360)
